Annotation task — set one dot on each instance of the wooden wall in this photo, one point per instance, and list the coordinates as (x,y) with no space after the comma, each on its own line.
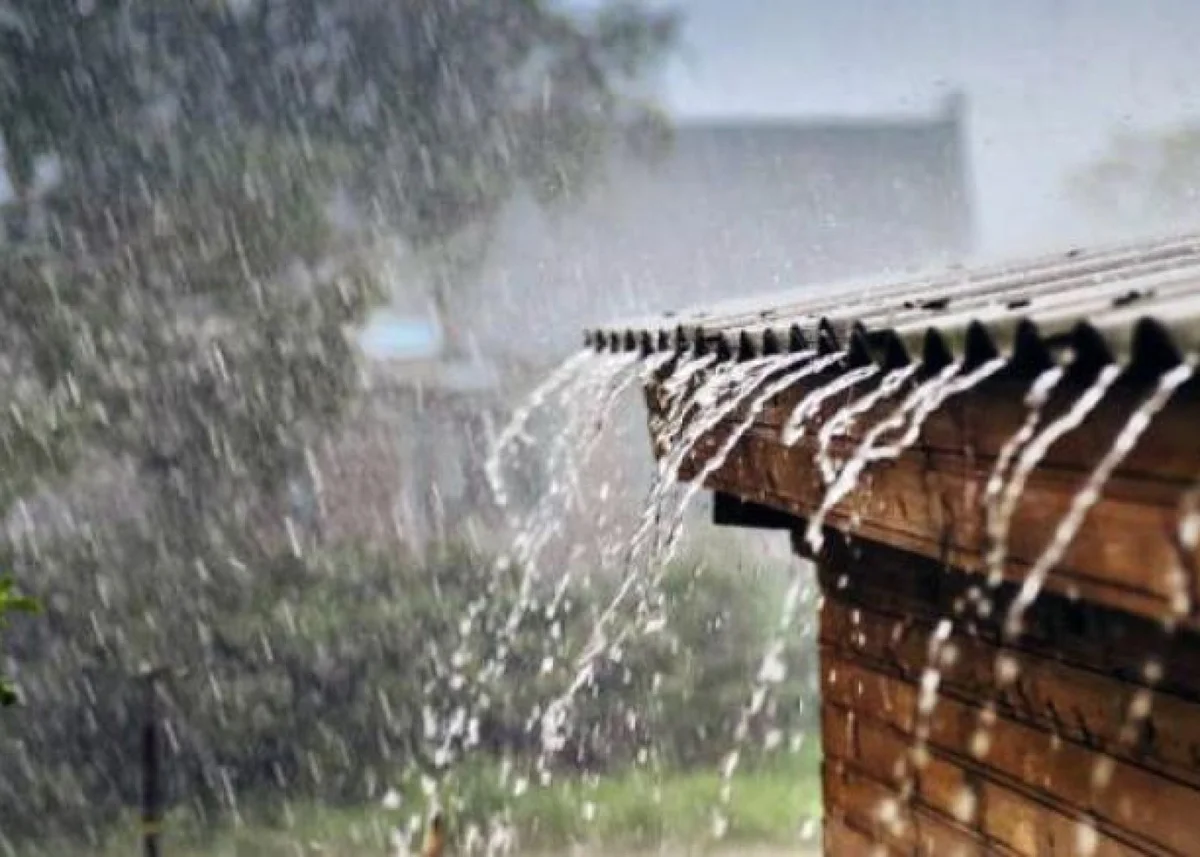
(929,501)
(1091,746)
(1081,737)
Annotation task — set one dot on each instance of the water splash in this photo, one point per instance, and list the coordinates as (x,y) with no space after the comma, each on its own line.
(916,409)
(721,455)
(1181,580)
(797,423)
(714,400)
(843,421)
(1064,534)
(514,431)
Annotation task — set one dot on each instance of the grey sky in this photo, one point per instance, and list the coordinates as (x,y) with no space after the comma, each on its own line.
(1048,81)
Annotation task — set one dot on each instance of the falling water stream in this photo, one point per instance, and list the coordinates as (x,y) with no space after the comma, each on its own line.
(1087,497)
(561,376)
(939,646)
(589,399)
(809,366)
(842,422)
(1028,460)
(1035,402)
(589,407)
(736,383)
(586,392)
(1181,576)
(917,408)
(1028,446)
(797,423)
(728,388)
(700,396)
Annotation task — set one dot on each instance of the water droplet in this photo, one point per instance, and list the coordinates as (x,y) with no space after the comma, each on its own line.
(1102,772)
(720,826)
(1087,840)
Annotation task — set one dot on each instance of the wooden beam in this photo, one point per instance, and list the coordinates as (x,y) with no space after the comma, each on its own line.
(731,511)
(930,500)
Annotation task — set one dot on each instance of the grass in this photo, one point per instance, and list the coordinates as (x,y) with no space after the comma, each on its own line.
(769,805)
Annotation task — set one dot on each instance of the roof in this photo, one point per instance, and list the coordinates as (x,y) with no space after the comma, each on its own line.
(1135,303)
(733,205)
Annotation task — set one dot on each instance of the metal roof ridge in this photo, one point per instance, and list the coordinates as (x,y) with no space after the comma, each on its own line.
(1107,293)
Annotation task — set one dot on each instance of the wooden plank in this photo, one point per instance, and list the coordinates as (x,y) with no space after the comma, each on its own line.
(939,836)
(984,419)
(863,782)
(1002,818)
(1079,704)
(860,801)
(880,579)
(1124,555)
(1144,804)
(876,809)
(1021,824)
(929,501)
(842,840)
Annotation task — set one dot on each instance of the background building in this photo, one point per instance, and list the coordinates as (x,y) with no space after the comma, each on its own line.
(732,207)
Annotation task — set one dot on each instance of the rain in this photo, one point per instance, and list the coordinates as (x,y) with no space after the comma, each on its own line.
(614,427)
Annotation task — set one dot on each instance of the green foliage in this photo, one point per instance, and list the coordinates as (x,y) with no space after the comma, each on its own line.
(11,601)
(180,302)
(440,110)
(635,808)
(179,307)
(632,810)
(312,679)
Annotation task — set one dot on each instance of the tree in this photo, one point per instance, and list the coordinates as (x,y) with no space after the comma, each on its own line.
(440,111)
(177,301)
(180,296)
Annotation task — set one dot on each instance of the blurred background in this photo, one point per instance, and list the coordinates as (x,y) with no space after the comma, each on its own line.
(278,273)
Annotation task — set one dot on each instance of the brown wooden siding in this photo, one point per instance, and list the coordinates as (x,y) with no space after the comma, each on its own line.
(929,501)
(1064,763)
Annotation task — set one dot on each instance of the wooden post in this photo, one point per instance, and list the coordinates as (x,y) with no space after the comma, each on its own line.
(152,797)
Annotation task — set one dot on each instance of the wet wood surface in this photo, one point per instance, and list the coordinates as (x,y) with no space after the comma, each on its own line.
(930,501)
(1089,744)
(943,734)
